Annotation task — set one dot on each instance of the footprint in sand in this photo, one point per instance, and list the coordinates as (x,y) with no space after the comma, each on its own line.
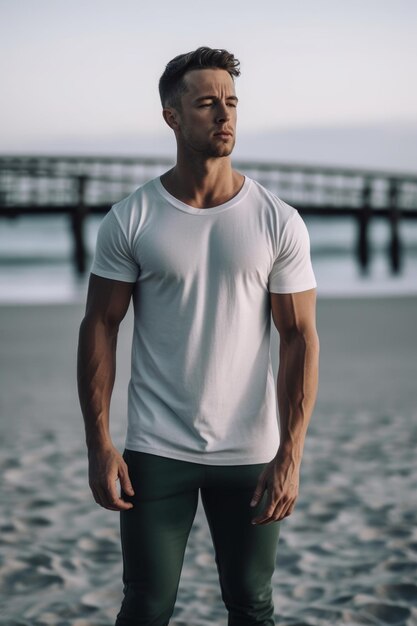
(385,613)
(406,593)
(29,580)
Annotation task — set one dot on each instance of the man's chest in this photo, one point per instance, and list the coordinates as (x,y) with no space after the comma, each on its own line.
(178,246)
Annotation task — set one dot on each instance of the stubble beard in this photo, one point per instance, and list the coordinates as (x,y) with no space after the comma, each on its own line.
(209,149)
(218,150)
(218,153)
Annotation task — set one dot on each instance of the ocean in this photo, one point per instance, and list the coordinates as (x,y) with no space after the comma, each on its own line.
(36,267)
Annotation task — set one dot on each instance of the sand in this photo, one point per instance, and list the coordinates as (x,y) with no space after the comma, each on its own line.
(348,554)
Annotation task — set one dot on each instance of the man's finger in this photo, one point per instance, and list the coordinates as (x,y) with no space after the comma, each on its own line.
(120,505)
(103,498)
(109,499)
(264,518)
(115,501)
(281,510)
(286,511)
(258,493)
(267,512)
(125,483)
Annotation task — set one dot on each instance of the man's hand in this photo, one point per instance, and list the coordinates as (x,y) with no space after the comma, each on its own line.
(280,479)
(106,466)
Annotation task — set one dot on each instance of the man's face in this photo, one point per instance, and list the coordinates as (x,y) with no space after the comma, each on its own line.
(207,118)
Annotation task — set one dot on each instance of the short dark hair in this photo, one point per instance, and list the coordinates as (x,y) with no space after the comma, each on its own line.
(171,83)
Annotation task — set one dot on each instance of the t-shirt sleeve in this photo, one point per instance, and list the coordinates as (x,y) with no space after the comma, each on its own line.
(113,256)
(292,270)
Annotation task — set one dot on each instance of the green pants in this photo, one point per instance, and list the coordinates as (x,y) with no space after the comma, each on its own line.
(154,536)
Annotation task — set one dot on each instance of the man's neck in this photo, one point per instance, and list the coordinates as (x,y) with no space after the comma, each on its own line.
(205,184)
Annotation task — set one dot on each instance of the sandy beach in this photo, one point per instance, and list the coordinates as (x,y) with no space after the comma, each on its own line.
(348,554)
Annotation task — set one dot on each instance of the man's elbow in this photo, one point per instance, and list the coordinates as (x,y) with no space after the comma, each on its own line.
(297,335)
(93,325)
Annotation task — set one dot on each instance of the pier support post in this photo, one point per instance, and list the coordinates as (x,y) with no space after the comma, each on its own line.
(77,225)
(395,249)
(364,216)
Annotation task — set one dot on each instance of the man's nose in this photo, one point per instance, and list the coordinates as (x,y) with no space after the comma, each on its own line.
(222,113)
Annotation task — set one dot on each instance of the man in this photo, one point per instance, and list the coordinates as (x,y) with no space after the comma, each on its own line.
(206,254)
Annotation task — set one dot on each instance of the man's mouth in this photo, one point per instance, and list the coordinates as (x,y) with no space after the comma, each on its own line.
(223,133)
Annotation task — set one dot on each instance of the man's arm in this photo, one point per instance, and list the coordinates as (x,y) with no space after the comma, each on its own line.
(107,304)
(294,316)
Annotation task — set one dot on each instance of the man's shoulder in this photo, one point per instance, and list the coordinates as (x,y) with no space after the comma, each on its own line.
(130,211)
(272,201)
(135,199)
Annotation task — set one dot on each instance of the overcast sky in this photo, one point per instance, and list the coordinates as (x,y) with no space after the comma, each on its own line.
(90,68)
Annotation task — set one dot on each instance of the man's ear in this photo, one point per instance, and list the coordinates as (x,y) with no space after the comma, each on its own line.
(171,117)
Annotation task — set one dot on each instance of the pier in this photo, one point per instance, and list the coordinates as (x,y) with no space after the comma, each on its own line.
(82,186)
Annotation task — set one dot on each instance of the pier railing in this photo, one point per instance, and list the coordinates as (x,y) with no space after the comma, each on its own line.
(82,186)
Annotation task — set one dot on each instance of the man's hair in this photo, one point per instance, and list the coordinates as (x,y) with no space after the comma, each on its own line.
(172,85)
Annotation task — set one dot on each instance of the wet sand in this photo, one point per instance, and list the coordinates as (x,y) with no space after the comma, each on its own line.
(348,554)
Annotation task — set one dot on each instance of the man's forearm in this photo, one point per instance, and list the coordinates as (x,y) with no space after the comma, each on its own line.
(96,373)
(296,391)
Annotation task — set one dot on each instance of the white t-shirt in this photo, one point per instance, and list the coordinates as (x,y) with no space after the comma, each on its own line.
(202,387)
